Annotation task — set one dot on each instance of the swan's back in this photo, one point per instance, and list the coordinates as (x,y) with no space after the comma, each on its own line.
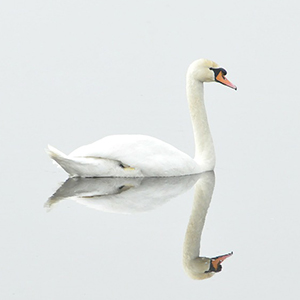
(151,156)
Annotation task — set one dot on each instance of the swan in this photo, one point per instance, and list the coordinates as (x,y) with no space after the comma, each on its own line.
(196,266)
(145,156)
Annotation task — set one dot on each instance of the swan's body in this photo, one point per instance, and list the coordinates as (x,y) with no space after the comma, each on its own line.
(126,156)
(196,266)
(144,156)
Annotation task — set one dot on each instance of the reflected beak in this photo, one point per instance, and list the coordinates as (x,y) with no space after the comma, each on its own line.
(216,262)
(222,79)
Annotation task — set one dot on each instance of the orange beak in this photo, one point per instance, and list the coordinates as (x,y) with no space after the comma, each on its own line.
(222,79)
(216,261)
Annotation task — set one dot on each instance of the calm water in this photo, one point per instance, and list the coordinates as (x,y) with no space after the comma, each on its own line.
(91,240)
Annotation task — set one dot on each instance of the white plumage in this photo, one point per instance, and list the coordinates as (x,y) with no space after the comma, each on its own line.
(126,156)
(145,156)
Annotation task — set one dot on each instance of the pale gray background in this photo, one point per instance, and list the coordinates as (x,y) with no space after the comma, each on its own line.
(75,71)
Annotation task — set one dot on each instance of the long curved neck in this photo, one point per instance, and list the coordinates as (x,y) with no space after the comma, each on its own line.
(204,148)
(194,265)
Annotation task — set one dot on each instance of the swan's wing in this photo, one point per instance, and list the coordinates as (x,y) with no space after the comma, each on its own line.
(150,155)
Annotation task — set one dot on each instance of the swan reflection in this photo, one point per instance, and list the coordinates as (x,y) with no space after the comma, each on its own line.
(122,195)
(196,266)
(134,195)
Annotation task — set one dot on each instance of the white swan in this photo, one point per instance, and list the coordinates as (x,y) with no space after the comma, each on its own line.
(196,266)
(145,156)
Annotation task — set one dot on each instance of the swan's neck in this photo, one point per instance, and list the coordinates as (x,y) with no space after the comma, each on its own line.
(194,265)
(204,148)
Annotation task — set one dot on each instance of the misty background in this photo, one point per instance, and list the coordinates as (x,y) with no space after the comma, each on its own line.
(75,71)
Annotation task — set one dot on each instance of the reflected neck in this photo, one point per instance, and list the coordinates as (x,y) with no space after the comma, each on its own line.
(204,148)
(194,265)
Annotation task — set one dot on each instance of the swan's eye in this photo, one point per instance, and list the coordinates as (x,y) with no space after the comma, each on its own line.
(218,71)
(224,72)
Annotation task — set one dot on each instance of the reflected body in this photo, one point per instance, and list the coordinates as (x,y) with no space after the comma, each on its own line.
(196,266)
(122,195)
(145,156)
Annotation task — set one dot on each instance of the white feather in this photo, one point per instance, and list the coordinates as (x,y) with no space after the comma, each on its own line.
(145,156)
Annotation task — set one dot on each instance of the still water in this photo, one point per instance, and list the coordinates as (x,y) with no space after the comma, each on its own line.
(131,237)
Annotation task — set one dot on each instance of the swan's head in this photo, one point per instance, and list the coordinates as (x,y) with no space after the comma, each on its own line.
(206,70)
(204,267)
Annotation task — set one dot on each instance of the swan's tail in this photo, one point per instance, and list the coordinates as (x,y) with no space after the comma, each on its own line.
(55,154)
(90,166)
(61,159)
(75,166)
